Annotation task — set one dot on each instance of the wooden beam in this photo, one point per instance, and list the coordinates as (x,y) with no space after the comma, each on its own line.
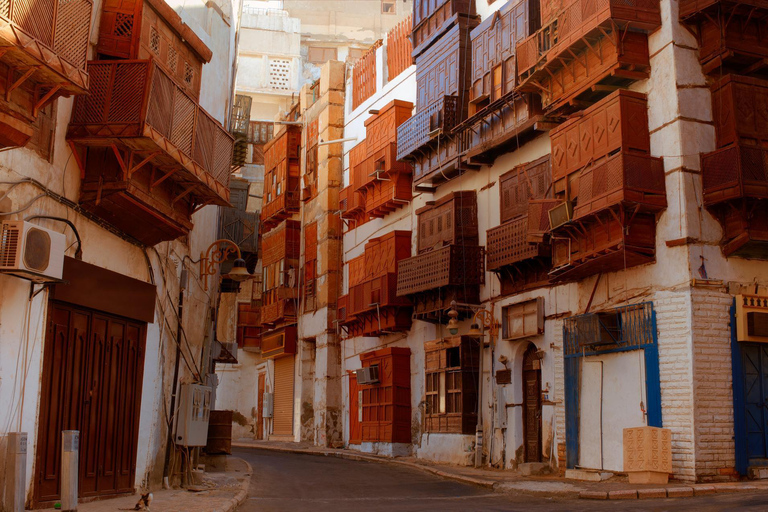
(183,194)
(142,163)
(21,80)
(44,99)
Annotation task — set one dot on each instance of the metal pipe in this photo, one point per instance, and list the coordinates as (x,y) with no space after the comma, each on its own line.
(479,427)
(169,439)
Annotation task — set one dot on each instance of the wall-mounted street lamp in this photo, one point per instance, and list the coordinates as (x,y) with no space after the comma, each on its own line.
(218,252)
(482,320)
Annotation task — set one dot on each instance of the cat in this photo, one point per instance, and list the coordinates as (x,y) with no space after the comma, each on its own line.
(144,502)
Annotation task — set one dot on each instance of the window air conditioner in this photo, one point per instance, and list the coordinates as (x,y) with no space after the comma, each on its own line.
(367,376)
(31,252)
(224,352)
(560,214)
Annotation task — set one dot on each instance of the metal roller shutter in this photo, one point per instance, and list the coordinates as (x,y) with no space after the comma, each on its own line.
(283,411)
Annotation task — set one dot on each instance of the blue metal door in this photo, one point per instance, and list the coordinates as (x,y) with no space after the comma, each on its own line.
(755,359)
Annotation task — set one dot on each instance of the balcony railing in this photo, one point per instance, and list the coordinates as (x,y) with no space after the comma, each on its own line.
(576,21)
(622,178)
(51,35)
(428,124)
(136,104)
(735,172)
(281,207)
(508,244)
(452,265)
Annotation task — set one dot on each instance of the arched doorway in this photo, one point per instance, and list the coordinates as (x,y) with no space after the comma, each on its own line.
(531,405)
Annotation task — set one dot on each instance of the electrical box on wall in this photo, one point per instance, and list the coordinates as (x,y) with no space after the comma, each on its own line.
(194,413)
(269,404)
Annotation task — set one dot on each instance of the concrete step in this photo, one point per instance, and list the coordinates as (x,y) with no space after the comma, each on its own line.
(587,475)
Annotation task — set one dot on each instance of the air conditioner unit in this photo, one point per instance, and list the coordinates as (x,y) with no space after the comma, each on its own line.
(596,329)
(224,352)
(752,318)
(367,376)
(560,214)
(268,403)
(31,252)
(194,414)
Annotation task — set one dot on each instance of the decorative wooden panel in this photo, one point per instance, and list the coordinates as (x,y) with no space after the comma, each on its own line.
(606,246)
(493,45)
(622,179)
(383,253)
(278,343)
(120,28)
(732,40)
(524,182)
(357,273)
(282,243)
(249,327)
(740,111)
(452,265)
(617,122)
(386,406)
(745,229)
(399,48)
(450,220)
(735,172)
(135,105)
(281,176)
(364,76)
(508,244)
(430,18)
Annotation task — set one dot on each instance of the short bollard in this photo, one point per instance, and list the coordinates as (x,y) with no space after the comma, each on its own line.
(70,448)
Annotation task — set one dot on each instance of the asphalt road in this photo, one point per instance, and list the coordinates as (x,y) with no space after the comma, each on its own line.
(288,482)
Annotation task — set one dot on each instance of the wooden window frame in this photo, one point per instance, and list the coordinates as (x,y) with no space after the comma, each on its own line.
(393,3)
(444,385)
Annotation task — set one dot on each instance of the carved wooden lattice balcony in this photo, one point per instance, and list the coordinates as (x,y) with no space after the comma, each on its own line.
(622,179)
(452,265)
(282,197)
(431,18)
(508,244)
(692,8)
(281,248)
(43,47)
(373,307)
(589,42)
(364,76)
(735,172)
(399,48)
(147,151)
(426,126)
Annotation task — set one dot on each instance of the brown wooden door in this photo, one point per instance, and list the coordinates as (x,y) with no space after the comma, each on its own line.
(260,407)
(355,433)
(532,405)
(93,366)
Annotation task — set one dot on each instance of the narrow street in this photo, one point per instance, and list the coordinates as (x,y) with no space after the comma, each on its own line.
(287,482)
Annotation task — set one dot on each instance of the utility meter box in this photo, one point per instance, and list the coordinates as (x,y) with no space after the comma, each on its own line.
(194,413)
(269,404)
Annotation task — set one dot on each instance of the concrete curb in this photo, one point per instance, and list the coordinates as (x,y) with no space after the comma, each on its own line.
(242,494)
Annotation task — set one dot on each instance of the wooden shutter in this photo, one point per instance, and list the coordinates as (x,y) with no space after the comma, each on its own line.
(283,399)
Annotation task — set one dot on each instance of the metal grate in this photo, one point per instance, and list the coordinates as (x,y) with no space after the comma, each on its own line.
(280,74)
(9,245)
(636,327)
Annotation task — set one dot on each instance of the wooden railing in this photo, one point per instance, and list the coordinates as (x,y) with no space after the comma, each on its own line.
(399,48)
(735,172)
(452,265)
(61,25)
(578,19)
(439,118)
(364,76)
(128,95)
(508,244)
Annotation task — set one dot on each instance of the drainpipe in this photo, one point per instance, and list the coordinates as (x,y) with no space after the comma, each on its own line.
(479,428)
(169,440)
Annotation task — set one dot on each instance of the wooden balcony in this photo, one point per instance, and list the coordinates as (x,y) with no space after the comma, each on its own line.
(279,342)
(691,9)
(732,40)
(745,229)
(249,327)
(427,126)
(734,173)
(434,278)
(352,206)
(508,244)
(282,243)
(279,306)
(431,18)
(387,195)
(43,47)
(282,196)
(609,243)
(148,154)
(738,103)
(375,308)
(630,181)
(587,44)
(399,48)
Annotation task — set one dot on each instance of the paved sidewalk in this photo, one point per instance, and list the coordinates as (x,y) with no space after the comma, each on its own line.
(510,481)
(225,489)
